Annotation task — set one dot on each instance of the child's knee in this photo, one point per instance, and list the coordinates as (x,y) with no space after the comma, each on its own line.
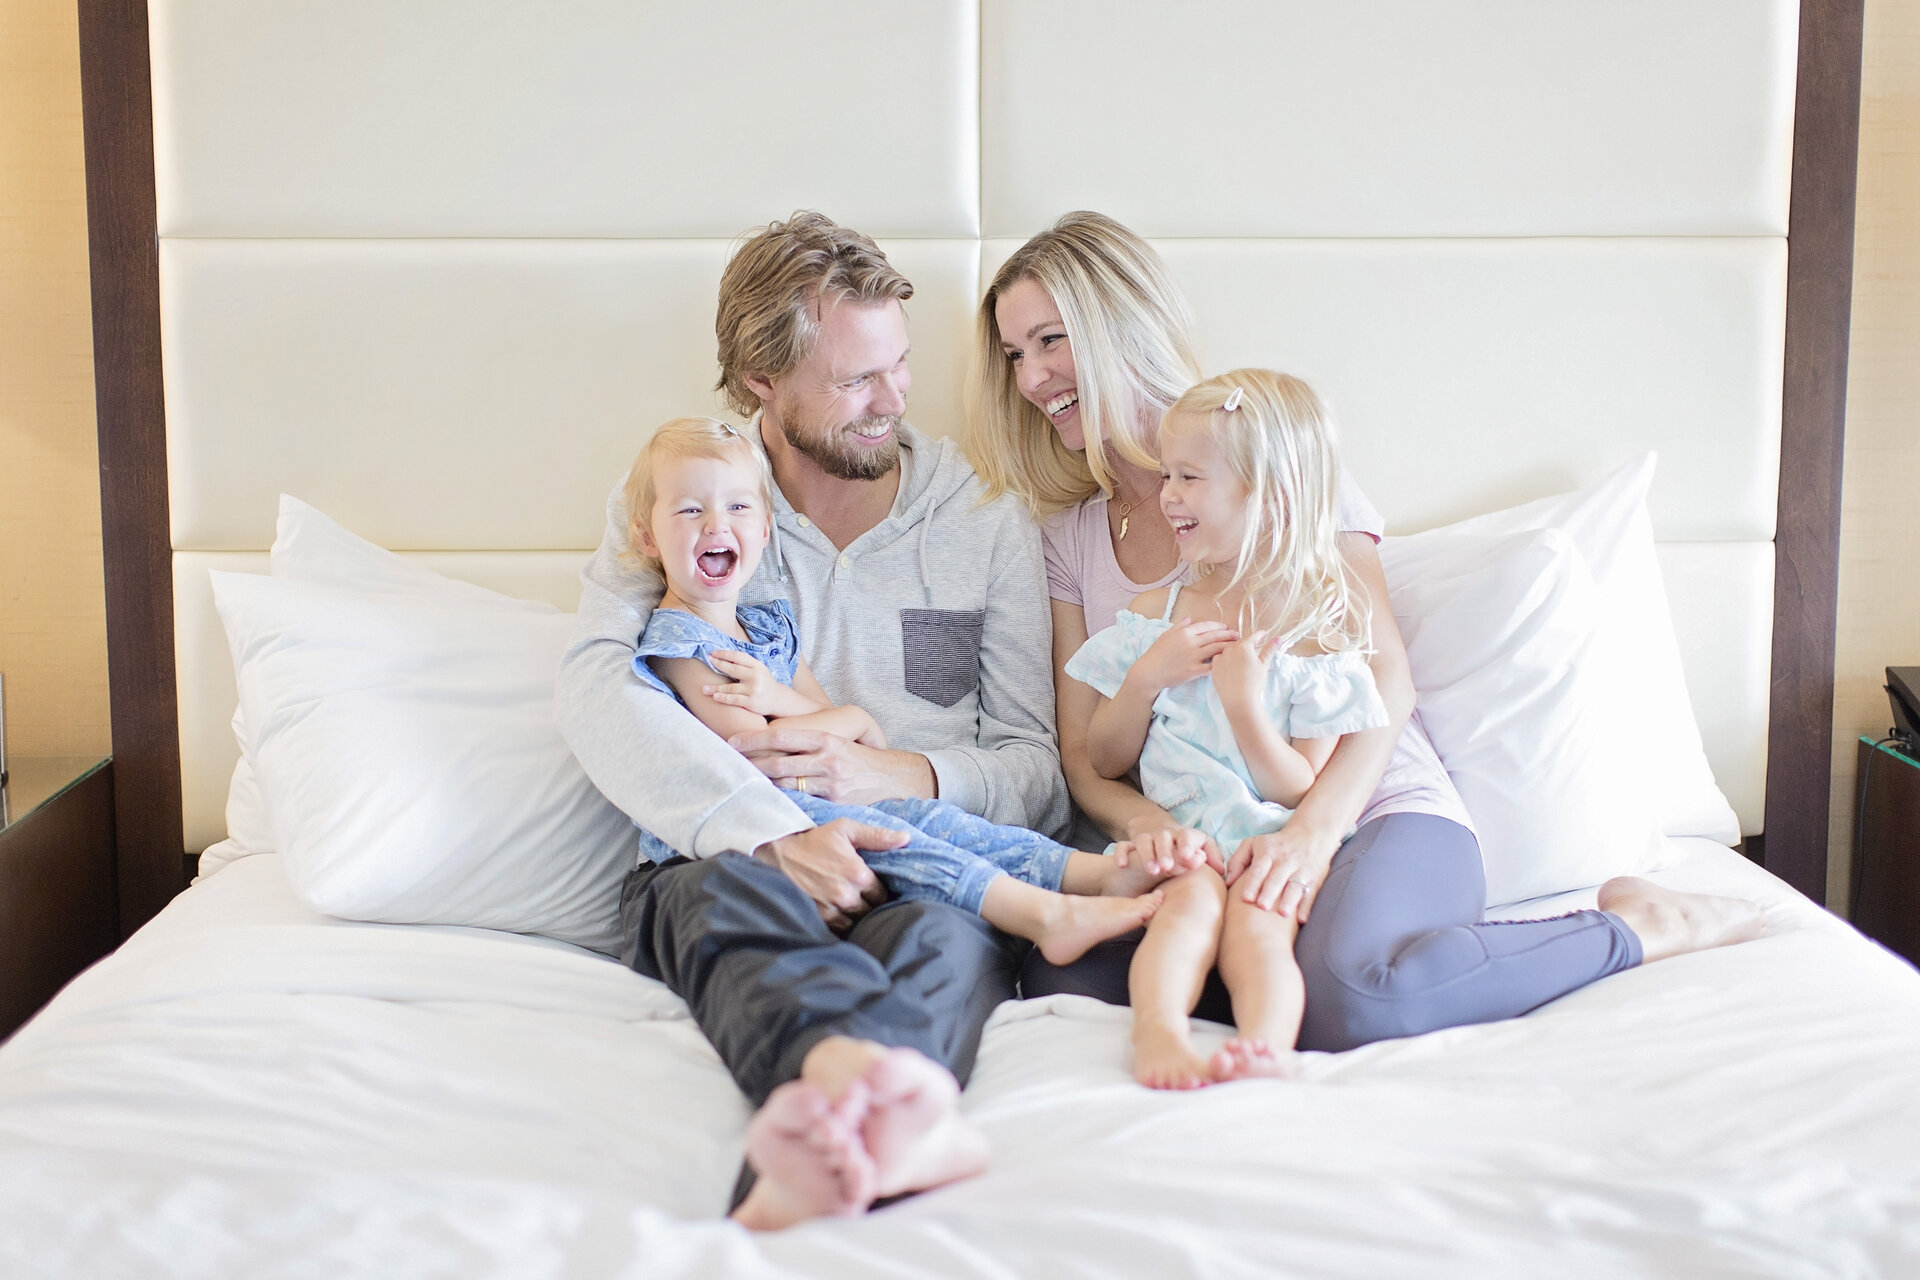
(1251,922)
(1199,892)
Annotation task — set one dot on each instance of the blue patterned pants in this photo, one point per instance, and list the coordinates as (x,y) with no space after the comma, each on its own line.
(953,856)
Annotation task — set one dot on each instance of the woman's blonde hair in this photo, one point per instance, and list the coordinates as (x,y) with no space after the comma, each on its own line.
(1279,441)
(1131,331)
(688,438)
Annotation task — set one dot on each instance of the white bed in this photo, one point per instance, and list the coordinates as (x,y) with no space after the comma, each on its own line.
(437,267)
(253,1089)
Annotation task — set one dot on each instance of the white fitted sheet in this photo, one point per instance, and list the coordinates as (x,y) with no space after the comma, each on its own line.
(247,1088)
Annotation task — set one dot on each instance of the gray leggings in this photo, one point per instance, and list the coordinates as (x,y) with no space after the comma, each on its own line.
(1396,946)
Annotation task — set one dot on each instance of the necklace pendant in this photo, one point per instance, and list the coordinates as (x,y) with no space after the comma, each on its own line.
(1123,528)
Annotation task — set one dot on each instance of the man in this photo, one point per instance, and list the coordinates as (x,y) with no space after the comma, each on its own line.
(853,1050)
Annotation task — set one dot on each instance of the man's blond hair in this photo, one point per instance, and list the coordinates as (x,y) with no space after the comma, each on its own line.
(780,280)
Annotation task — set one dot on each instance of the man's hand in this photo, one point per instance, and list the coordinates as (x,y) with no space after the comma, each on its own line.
(825,862)
(834,768)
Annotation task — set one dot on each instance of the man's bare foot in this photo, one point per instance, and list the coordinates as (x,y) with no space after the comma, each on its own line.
(1249,1057)
(836,1062)
(1670,923)
(811,1161)
(1072,925)
(1163,1058)
(913,1128)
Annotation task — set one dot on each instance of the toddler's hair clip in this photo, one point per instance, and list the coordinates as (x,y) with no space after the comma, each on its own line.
(1233,401)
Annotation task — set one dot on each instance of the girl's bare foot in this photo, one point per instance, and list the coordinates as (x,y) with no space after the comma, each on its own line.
(913,1128)
(1670,923)
(1249,1057)
(810,1158)
(1163,1058)
(1073,924)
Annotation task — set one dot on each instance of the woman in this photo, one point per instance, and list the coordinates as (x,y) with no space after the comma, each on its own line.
(1083,343)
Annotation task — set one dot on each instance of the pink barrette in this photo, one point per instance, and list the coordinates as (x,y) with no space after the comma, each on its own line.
(1233,401)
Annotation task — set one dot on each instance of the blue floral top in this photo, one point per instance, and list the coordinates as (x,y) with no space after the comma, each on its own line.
(772,637)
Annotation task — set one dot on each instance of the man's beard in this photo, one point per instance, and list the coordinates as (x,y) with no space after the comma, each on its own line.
(839,457)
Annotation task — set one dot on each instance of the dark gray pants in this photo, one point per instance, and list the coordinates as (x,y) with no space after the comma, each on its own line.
(1396,946)
(766,980)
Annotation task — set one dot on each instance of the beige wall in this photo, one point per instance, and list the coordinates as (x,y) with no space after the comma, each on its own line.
(1879,535)
(53,647)
(52,632)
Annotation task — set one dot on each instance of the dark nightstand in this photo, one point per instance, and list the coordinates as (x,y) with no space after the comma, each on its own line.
(58,912)
(1886,858)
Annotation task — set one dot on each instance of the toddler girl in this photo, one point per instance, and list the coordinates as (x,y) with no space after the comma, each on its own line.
(700,498)
(1230,693)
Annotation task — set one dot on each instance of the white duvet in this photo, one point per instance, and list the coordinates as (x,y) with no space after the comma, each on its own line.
(248,1089)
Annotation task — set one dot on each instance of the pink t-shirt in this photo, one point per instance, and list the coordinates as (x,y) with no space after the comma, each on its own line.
(1082,570)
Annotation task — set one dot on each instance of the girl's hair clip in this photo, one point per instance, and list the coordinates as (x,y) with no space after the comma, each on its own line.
(1233,401)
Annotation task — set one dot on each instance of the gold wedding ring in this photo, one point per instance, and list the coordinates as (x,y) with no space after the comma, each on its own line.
(800,785)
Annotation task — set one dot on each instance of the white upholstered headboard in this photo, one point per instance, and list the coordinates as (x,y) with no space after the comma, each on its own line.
(437,267)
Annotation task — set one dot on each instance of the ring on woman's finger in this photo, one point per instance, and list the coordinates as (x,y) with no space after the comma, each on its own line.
(1305,886)
(800,785)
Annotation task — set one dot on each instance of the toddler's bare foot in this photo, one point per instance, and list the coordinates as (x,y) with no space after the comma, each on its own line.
(1247,1058)
(1133,879)
(1074,923)
(810,1158)
(1163,1058)
(913,1128)
(1670,923)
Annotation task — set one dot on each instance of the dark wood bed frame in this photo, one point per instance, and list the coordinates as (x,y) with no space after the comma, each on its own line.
(118,109)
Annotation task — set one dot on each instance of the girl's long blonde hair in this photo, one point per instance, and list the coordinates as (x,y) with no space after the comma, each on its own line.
(1279,441)
(1131,332)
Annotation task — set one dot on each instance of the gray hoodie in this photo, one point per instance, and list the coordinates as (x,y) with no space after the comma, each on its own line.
(935,620)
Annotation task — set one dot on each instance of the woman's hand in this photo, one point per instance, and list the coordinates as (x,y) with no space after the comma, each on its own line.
(1185,651)
(1164,847)
(1283,871)
(754,688)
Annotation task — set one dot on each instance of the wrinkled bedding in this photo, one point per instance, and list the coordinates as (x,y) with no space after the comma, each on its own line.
(249,1089)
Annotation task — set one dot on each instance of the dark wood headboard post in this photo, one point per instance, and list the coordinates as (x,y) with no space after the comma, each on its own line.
(117,105)
(1806,596)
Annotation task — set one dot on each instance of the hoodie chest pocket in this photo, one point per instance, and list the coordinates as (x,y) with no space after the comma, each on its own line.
(941,650)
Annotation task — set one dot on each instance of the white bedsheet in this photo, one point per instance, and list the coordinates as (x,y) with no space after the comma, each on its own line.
(247,1089)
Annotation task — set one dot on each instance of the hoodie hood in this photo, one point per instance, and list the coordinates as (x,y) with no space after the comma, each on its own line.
(935,471)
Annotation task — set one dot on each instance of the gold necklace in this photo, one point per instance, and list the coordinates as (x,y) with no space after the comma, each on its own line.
(1126,510)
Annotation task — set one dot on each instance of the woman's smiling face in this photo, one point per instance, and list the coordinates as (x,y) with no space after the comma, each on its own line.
(1037,346)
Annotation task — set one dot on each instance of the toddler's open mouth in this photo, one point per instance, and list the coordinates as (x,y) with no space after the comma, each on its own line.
(716,566)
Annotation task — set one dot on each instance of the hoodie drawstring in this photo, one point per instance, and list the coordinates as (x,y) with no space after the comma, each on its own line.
(926,579)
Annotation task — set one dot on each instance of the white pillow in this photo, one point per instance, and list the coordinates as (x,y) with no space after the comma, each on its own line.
(1635,648)
(1501,638)
(406,749)
(310,547)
